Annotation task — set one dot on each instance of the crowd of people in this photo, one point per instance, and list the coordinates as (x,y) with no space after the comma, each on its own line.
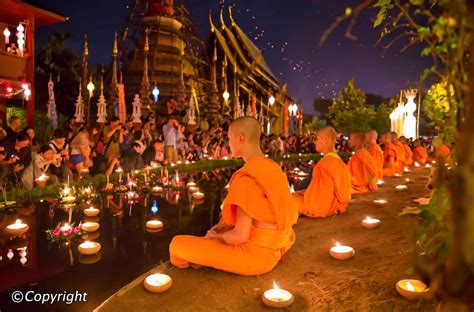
(98,148)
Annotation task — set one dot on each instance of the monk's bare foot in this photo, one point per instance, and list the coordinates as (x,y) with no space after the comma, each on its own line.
(195,266)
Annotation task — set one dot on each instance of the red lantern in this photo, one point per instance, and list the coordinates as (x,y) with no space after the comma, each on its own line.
(24,84)
(9,89)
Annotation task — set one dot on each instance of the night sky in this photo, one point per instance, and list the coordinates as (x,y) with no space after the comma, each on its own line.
(288,33)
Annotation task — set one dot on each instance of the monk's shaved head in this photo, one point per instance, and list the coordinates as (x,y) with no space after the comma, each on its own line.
(248,126)
(328,131)
(394,136)
(386,138)
(416,143)
(325,140)
(371,137)
(356,140)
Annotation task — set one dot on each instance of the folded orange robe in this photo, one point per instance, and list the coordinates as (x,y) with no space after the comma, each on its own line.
(376,152)
(260,188)
(408,155)
(390,169)
(329,191)
(363,169)
(400,155)
(420,155)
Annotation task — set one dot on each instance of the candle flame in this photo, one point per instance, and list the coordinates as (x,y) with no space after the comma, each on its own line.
(410,287)
(18,221)
(275,286)
(368,218)
(337,244)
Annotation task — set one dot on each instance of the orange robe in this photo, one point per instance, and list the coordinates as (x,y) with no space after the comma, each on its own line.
(400,156)
(420,155)
(329,192)
(376,152)
(443,150)
(408,155)
(363,169)
(390,169)
(260,188)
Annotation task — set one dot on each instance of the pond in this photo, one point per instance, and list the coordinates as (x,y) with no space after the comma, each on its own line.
(128,248)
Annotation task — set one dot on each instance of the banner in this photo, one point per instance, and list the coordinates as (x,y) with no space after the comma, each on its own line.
(122,109)
(52,105)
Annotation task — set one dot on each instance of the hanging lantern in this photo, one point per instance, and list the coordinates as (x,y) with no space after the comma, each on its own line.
(20,38)
(24,84)
(90,87)
(226,95)
(27,94)
(271,100)
(156,93)
(7,33)
(9,89)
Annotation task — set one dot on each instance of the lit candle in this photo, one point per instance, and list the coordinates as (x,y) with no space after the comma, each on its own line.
(154,225)
(370,223)
(88,191)
(156,189)
(85,171)
(191,184)
(227,187)
(91,211)
(90,226)
(412,289)
(409,181)
(157,282)
(119,170)
(198,195)
(292,189)
(69,199)
(380,202)
(65,228)
(341,252)
(401,188)
(18,228)
(277,298)
(397,175)
(380,182)
(427,166)
(193,189)
(42,180)
(406,169)
(88,248)
(416,164)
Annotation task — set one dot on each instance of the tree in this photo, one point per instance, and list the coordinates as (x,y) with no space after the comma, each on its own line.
(322,107)
(314,125)
(349,112)
(381,122)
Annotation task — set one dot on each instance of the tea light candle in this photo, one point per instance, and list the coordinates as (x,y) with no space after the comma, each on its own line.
(91,211)
(18,228)
(198,195)
(69,199)
(156,189)
(277,298)
(193,189)
(427,166)
(401,188)
(370,223)
(154,225)
(157,282)
(341,252)
(88,248)
(412,289)
(409,181)
(416,164)
(397,175)
(90,226)
(406,169)
(191,184)
(380,202)
(380,182)
(42,180)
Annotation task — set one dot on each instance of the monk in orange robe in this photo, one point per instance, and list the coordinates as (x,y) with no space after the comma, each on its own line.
(255,229)
(362,166)
(375,151)
(329,191)
(401,161)
(408,151)
(420,154)
(441,149)
(390,154)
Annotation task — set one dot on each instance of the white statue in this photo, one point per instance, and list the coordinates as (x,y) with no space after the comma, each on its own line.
(409,126)
(137,109)
(191,112)
(101,108)
(79,114)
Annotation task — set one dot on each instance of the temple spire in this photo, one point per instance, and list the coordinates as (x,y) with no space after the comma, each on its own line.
(222,20)
(145,85)
(85,63)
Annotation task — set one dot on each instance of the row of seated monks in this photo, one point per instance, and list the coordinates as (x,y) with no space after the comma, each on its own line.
(258,214)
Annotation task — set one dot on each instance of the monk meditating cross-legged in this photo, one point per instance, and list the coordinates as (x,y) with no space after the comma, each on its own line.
(400,150)
(255,229)
(408,151)
(390,154)
(362,166)
(420,154)
(375,151)
(329,192)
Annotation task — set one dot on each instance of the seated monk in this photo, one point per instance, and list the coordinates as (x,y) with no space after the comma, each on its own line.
(441,150)
(420,154)
(400,152)
(255,229)
(390,154)
(329,192)
(375,151)
(408,152)
(362,166)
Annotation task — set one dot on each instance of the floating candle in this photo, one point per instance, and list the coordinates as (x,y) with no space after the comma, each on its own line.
(277,298)
(157,189)
(401,188)
(191,184)
(157,282)
(198,195)
(380,202)
(90,259)
(69,199)
(42,180)
(370,223)
(91,211)
(193,189)
(90,226)
(154,225)
(89,248)
(18,228)
(341,252)
(412,289)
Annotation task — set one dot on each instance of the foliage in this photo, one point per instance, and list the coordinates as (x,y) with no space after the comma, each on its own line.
(43,126)
(314,125)
(322,107)
(381,122)
(349,111)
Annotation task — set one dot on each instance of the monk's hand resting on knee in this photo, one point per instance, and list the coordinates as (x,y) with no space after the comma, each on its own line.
(222,227)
